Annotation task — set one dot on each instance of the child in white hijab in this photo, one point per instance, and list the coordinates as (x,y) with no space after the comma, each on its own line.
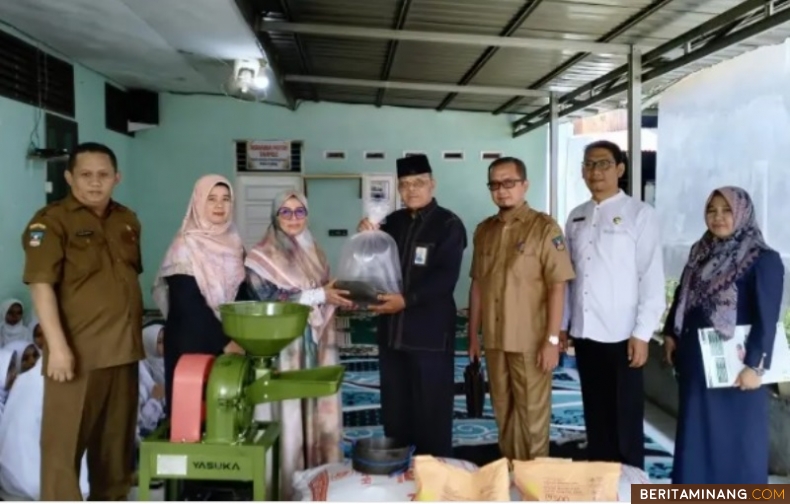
(20,436)
(152,381)
(36,332)
(8,370)
(26,354)
(12,324)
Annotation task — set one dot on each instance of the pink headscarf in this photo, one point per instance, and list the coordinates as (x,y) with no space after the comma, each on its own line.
(213,254)
(293,263)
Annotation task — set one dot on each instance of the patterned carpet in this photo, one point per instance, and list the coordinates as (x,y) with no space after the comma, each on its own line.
(361,405)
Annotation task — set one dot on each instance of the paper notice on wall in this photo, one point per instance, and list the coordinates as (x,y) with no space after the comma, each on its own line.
(265,155)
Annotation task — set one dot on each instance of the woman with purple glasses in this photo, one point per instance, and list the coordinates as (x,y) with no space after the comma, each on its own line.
(288,265)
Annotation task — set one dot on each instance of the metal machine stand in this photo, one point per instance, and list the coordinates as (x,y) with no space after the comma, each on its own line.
(212,434)
(175,462)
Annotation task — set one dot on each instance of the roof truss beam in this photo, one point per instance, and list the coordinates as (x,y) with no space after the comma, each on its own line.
(444,37)
(771,18)
(515,23)
(300,47)
(607,37)
(687,41)
(392,47)
(416,86)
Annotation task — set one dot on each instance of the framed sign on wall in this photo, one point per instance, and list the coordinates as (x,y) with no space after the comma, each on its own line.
(380,188)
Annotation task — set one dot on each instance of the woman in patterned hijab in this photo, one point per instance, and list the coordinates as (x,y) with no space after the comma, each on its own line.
(732,279)
(288,265)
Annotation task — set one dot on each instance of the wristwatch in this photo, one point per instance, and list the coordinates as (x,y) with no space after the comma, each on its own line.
(554,340)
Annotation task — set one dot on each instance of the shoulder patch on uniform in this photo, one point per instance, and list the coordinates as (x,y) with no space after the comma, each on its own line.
(35,237)
(558,242)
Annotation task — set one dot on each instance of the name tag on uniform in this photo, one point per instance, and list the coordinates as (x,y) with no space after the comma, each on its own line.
(84,232)
(578,219)
(420,256)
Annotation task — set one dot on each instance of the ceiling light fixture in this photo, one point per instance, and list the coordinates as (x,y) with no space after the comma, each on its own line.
(250,75)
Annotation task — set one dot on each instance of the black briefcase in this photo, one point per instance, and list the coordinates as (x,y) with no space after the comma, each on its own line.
(475,389)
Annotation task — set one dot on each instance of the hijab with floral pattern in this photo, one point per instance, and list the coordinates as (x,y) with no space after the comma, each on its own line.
(715,265)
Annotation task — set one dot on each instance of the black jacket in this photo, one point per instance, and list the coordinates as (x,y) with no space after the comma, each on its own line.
(431,245)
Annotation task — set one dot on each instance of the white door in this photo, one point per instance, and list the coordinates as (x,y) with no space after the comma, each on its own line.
(255,196)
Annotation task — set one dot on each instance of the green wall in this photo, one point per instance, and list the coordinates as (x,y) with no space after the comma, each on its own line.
(196,135)
(22,190)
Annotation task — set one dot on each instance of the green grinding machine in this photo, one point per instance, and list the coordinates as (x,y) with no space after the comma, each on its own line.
(211,434)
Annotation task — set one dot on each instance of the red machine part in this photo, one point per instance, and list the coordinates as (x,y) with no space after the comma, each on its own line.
(188,409)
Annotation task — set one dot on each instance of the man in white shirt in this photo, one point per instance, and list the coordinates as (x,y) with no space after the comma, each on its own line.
(614,305)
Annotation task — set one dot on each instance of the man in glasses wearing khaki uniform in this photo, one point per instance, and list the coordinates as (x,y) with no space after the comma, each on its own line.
(519,269)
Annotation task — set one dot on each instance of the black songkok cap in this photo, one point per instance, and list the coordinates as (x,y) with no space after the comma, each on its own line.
(413,165)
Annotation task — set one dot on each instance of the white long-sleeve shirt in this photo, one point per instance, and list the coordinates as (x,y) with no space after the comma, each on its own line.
(618,292)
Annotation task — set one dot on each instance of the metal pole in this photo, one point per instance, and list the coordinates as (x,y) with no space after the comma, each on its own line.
(635,121)
(554,149)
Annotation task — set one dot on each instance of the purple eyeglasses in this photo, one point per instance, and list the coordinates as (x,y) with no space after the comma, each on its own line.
(289,214)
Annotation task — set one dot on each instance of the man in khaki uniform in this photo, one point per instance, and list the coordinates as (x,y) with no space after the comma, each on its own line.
(82,261)
(519,270)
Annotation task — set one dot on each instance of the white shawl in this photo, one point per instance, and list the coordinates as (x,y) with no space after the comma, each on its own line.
(20,437)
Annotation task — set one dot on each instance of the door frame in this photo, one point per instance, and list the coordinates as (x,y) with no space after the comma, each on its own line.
(239,193)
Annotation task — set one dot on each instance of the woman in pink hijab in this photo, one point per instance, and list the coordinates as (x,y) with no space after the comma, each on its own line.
(202,269)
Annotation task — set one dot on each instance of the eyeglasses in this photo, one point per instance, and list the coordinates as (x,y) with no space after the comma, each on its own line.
(507,184)
(289,214)
(416,184)
(601,165)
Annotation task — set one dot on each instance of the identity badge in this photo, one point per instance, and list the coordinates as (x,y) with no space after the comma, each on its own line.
(420,256)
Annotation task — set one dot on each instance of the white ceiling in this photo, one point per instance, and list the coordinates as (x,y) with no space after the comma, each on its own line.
(163,45)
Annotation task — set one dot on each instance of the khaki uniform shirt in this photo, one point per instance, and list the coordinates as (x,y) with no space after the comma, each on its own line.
(93,263)
(517,256)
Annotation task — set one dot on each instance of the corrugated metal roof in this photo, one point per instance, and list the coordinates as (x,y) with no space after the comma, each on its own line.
(646,23)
